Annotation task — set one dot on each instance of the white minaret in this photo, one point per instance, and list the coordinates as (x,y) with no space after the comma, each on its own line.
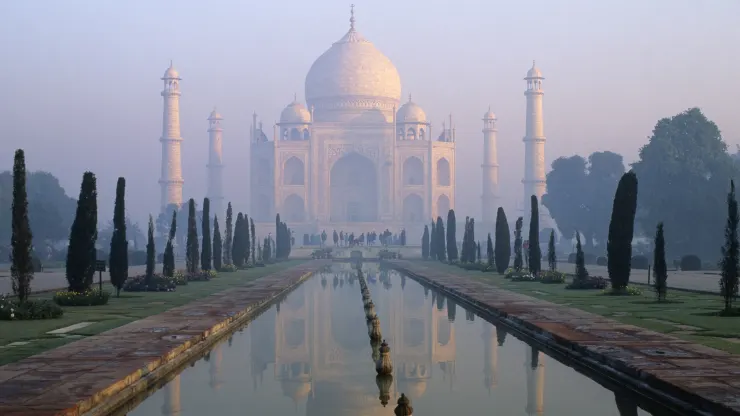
(171,180)
(534,146)
(215,163)
(489,167)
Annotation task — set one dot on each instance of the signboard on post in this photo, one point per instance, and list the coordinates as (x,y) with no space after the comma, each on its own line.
(100,266)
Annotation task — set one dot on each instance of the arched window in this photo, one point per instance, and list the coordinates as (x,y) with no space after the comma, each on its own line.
(421,134)
(295,134)
(411,134)
(293,172)
(443,172)
(306,134)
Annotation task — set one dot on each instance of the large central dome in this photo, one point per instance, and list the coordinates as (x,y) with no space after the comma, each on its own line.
(351,79)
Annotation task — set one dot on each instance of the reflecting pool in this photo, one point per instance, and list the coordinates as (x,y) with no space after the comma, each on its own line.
(311,355)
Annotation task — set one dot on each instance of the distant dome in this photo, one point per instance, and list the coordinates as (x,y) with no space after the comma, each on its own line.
(534,72)
(215,115)
(411,113)
(489,115)
(296,113)
(171,72)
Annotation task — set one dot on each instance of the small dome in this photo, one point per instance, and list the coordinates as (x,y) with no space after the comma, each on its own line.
(411,113)
(489,115)
(534,72)
(171,73)
(215,115)
(296,113)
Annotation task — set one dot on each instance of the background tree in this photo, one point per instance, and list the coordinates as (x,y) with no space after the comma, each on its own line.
(21,269)
(471,240)
(133,233)
(502,245)
(604,171)
(464,246)
(552,259)
(451,236)
(229,235)
(118,257)
(81,253)
(425,243)
(151,253)
(581,272)
(433,241)
(535,253)
(683,172)
(247,241)
(237,244)
(477,252)
(217,255)
(440,233)
(565,197)
(192,249)
(489,251)
(621,231)
(728,283)
(254,238)
(206,253)
(518,244)
(168,258)
(660,269)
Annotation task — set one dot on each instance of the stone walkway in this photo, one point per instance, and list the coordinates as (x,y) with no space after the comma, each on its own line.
(706,378)
(77,377)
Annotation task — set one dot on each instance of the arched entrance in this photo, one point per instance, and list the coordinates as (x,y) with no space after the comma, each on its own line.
(413,171)
(293,172)
(413,209)
(294,208)
(443,206)
(354,189)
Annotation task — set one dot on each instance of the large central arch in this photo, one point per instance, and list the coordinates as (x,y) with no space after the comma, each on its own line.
(354,190)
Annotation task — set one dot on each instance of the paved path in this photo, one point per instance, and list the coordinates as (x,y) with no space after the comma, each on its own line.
(82,375)
(704,281)
(641,359)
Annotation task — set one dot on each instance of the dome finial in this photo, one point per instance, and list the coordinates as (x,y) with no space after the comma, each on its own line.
(352,17)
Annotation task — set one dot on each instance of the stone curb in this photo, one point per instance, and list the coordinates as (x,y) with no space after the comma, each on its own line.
(635,379)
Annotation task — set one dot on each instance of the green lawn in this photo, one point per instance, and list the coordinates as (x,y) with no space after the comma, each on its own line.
(685,315)
(119,311)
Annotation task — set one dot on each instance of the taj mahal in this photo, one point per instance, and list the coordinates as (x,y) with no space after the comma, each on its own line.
(354,157)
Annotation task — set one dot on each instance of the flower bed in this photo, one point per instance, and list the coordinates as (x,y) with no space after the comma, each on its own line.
(158,283)
(11,309)
(180,279)
(87,298)
(227,268)
(552,276)
(588,282)
(201,276)
(520,276)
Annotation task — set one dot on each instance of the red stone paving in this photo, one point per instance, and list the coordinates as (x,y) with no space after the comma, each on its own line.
(704,377)
(72,379)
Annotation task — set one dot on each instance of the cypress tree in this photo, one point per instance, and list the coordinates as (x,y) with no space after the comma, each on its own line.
(477,251)
(81,253)
(229,235)
(552,259)
(441,251)
(168,258)
(192,240)
(236,246)
(278,237)
(621,229)
(518,245)
(581,272)
(489,251)
(728,283)
(254,239)
(21,242)
(464,251)
(660,269)
(425,243)
(217,255)
(471,250)
(502,247)
(247,241)
(535,253)
(451,236)
(118,258)
(151,254)
(433,241)
(206,253)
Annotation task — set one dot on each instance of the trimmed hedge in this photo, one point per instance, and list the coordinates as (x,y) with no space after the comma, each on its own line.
(690,263)
(640,262)
(602,261)
(87,298)
(12,310)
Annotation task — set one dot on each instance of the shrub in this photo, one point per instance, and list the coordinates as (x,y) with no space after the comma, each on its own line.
(180,279)
(627,291)
(601,261)
(201,276)
(12,309)
(227,268)
(137,258)
(588,282)
(91,297)
(690,263)
(158,283)
(640,262)
(552,276)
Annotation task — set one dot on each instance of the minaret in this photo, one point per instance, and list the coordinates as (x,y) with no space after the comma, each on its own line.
(171,179)
(171,406)
(535,368)
(489,167)
(534,143)
(490,357)
(215,163)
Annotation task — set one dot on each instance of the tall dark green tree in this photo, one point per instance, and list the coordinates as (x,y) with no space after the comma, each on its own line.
(472,242)
(278,236)
(237,248)
(440,232)
(118,257)
(581,272)
(229,235)
(151,253)
(621,229)
(728,283)
(477,252)
(192,249)
(518,263)
(451,236)
(21,269)
(489,251)
(535,253)
(502,245)
(206,253)
(217,255)
(168,258)
(433,241)
(425,243)
(660,269)
(552,259)
(247,241)
(253,234)
(81,253)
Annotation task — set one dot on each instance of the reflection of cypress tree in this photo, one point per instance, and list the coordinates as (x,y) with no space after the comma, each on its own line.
(451,310)
(440,302)
(500,335)
(626,404)
(403,282)
(335,282)
(469,315)
(535,357)
(426,292)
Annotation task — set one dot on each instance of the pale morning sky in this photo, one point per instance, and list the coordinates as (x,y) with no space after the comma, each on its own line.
(79,80)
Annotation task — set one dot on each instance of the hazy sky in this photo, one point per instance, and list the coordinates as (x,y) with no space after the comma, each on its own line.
(79,80)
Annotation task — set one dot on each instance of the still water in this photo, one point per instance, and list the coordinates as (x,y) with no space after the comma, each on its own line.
(311,355)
